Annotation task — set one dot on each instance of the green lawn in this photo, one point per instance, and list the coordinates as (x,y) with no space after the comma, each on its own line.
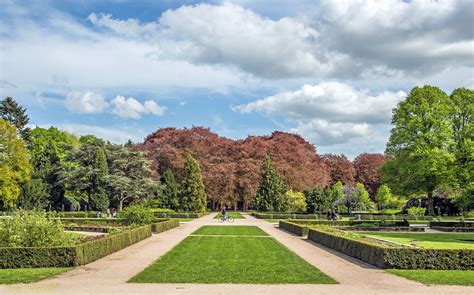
(230,230)
(235,215)
(429,240)
(437,277)
(28,275)
(185,219)
(231,259)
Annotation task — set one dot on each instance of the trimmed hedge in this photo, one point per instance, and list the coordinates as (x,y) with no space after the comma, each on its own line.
(349,222)
(284,216)
(452,224)
(71,256)
(395,257)
(297,229)
(389,217)
(179,215)
(164,225)
(81,221)
(78,214)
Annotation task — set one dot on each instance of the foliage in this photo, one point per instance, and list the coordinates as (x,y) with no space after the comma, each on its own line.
(353,198)
(418,149)
(341,169)
(319,199)
(384,197)
(271,190)
(34,195)
(32,229)
(296,201)
(14,164)
(416,212)
(137,215)
(367,171)
(338,194)
(170,191)
(193,195)
(41,138)
(16,115)
(164,225)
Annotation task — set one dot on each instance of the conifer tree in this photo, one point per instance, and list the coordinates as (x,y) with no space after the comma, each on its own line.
(170,190)
(193,195)
(98,198)
(271,192)
(16,115)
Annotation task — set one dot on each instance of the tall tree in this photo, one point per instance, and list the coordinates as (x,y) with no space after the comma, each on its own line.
(170,190)
(271,190)
(384,196)
(14,164)
(319,199)
(12,112)
(367,171)
(193,195)
(98,198)
(340,169)
(418,153)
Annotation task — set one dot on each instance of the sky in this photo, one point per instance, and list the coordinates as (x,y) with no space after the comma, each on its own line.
(331,71)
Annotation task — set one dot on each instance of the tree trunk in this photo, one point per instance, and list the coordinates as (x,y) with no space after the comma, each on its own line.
(429,203)
(120,204)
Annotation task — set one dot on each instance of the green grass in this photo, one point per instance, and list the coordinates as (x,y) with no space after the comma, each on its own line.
(231,230)
(185,219)
(429,240)
(437,277)
(28,275)
(235,215)
(232,260)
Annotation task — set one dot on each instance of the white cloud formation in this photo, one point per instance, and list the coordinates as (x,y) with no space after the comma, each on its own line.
(330,112)
(132,108)
(113,134)
(85,102)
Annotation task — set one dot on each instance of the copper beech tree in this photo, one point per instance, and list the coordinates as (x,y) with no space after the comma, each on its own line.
(367,168)
(230,168)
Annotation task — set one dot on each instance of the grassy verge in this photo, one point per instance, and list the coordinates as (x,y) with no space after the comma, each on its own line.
(231,259)
(235,215)
(430,240)
(185,219)
(28,275)
(437,277)
(230,230)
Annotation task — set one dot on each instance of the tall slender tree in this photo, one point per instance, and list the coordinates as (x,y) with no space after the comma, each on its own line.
(170,191)
(193,195)
(12,112)
(271,190)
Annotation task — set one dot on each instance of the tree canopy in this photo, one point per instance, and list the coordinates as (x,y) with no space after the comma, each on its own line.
(13,113)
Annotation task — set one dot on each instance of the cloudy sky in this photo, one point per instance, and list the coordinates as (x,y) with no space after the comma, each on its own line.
(329,70)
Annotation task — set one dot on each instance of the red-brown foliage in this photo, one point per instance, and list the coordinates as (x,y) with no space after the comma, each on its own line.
(230,168)
(367,171)
(340,169)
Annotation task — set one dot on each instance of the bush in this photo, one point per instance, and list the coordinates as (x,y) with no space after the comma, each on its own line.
(164,225)
(297,229)
(416,212)
(137,215)
(180,215)
(394,257)
(78,214)
(33,229)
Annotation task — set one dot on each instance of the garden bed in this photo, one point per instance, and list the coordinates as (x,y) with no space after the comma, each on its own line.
(453,229)
(385,256)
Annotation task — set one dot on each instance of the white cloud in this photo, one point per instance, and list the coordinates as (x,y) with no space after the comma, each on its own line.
(132,108)
(330,112)
(85,102)
(113,134)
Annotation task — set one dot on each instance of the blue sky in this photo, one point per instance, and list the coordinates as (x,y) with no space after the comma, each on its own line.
(328,70)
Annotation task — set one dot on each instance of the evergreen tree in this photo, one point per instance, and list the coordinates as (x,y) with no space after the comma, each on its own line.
(170,191)
(16,115)
(319,199)
(193,195)
(271,192)
(98,197)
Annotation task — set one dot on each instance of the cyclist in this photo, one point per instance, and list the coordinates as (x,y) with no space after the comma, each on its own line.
(224,213)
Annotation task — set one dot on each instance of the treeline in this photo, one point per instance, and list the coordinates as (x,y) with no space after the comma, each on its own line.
(52,169)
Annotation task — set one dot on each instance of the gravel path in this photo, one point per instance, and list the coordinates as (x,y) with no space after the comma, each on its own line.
(109,275)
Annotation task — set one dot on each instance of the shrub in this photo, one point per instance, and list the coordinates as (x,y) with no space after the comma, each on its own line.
(137,215)
(33,229)
(164,225)
(416,212)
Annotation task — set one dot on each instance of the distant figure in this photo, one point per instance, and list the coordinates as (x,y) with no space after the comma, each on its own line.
(113,213)
(98,214)
(329,214)
(224,213)
(108,213)
(333,215)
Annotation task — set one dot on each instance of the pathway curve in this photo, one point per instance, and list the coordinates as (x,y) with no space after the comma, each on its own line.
(109,275)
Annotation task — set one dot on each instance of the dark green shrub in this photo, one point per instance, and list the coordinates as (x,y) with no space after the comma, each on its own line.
(164,225)
(452,224)
(297,229)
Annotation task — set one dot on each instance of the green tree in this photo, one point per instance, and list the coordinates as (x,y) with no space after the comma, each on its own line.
(384,196)
(418,153)
(319,199)
(296,201)
(462,123)
(170,191)
(14,164)
(271,191)
(34,195)
(193,195)
(40,138)
(98,198)
(362,196)
(13,113)
(337,195)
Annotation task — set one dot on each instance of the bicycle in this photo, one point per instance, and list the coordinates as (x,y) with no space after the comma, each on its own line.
(229,219)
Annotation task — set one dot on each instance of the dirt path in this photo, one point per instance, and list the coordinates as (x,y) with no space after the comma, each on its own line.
(109,275)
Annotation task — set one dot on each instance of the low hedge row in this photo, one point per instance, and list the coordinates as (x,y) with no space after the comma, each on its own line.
(389,217)
(78,214)
(81,221)
(179,215)
(297,229)
(452,224)
(164,225)
(350,222)
(74,255)
(395,257)
(285,216)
